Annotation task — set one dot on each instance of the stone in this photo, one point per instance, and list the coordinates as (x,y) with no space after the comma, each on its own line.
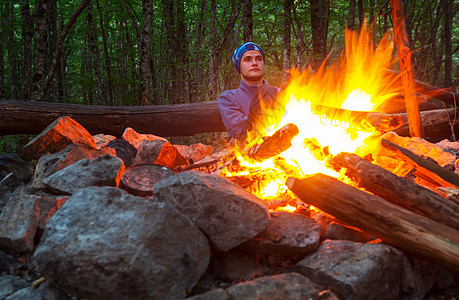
(225,212)
(10,284)
(43,292)
(102,140)
(23,220)
(51,163)
(58,135)
(134,138)
(106,244)
(288,286)
(288,234)
(355,270)
(159,152)
(124,150)
(104,170)
(195,152)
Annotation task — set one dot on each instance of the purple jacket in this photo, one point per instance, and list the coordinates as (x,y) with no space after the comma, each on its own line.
(234,107)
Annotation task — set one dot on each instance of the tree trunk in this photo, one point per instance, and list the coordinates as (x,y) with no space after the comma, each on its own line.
(2,64)
(40,48)
(52,46)
(11,53)
(182,46)
(94,50)
(361,12)
(399,190)
(145,52)
(448,26)
(60,43)
(107,67)
(213,72)
(397,226)
(287,40)
(26,47)
(247,20)
(320,10)
(17,117)
(351,15)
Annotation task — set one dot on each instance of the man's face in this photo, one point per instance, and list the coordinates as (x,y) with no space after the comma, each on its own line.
(252,67)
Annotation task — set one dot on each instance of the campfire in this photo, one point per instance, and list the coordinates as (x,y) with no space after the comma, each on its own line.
(337,109)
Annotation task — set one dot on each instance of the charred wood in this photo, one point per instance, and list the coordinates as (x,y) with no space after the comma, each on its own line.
(425,168)
(402,228)
(399,190)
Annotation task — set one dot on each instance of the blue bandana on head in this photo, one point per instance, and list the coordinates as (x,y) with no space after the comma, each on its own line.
(241,50)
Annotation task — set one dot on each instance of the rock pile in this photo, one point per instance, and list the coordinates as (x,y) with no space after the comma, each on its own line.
(71,232)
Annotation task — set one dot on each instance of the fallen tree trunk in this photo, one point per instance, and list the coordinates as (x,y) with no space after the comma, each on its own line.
(399,190)
(27,117)
(396,226)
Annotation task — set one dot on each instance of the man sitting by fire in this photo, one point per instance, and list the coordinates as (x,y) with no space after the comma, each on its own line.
(240,108)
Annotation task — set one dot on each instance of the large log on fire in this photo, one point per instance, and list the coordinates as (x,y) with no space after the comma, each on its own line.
(400,227)
(27,117)
(399,190)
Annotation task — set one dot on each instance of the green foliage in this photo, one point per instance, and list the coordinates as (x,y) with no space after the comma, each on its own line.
(122,25)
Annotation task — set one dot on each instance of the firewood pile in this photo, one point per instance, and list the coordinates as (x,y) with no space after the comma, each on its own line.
(136,217)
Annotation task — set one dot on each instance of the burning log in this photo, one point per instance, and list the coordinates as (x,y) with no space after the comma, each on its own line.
(273,145)
(381,122)
(402,228)
(425,169)
(399,190)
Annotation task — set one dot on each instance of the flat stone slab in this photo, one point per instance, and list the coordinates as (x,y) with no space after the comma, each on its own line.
(225,212)
(288,234)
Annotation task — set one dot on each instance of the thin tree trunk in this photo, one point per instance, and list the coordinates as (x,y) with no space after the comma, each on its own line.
(106,57)
(26,47)
(60,43)
(2,41)
(448,27)
(361,12)
(351,15)
(183,66)
(287,40)
(320,10)
(247,20)
(95,57)
(40,48)
(213,77)
(11,53)
(52,45)
(145,50)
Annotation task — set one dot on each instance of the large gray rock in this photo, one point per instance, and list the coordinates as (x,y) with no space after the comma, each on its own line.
(10,284)
(106,244)
(43,292)
(288,234)
(22,218)
(51,163)
(227,213)
(104,170)
(284,286)
(355,270)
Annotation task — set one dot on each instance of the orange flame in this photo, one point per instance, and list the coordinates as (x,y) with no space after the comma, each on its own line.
(358,81)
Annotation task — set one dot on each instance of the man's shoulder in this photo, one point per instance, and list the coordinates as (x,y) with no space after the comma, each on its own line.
(228,94)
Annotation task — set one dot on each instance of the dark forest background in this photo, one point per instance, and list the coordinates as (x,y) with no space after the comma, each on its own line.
(127,52)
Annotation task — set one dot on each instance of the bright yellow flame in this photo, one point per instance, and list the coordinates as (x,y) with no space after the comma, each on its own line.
(358,82)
